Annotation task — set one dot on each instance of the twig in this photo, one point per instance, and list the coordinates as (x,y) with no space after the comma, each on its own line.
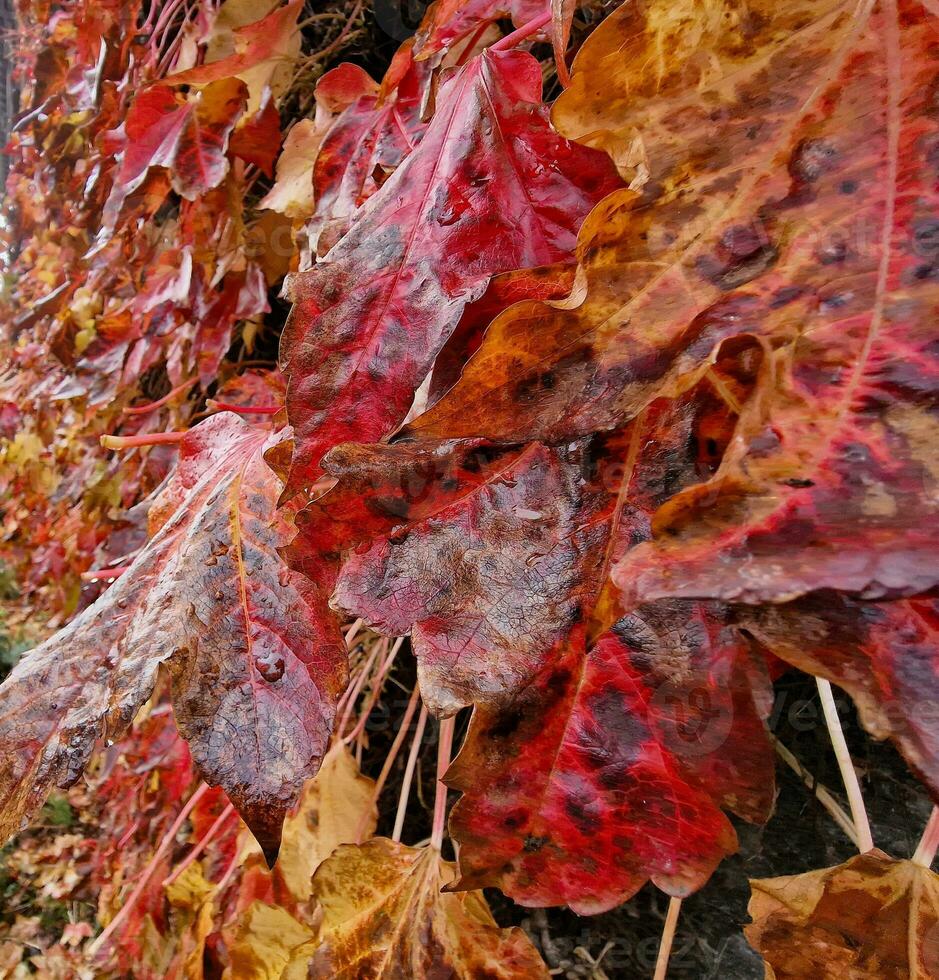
(822,794)
(853,788)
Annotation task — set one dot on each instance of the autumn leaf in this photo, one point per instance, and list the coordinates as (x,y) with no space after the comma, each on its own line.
(489,188)
(336,807)
(257,139)
(187,136)
(871,917)
(610,769)
(270,944)
(246,643)
(449,21)
(258,52)
(745,220)
(883,654)
(490,555)
(365,889)
(366,143)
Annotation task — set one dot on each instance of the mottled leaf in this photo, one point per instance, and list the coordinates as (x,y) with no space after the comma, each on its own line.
(365,145)
(256,661)
(759,207)
(490,188)
(260,53)
(270,944)
(609,770)
(384,916)
(870,918)
(884,654)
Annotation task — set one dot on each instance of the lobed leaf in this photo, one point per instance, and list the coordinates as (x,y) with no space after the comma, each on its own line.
(871,917)
(255,660)
(489,188)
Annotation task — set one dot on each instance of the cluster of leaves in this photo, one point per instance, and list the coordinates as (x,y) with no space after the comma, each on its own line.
(610,405)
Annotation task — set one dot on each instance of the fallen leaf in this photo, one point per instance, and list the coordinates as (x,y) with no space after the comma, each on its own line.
(870,918)
(384,915)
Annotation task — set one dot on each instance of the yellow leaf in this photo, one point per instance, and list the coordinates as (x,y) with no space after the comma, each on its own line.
(336,808)
(385,916)
(268,944)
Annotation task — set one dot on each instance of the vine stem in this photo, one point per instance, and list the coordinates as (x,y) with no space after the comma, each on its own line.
(348,699)
(160,402)
(217,406)
(149,439)
(853,788)
(167,840)
(929,843)
(392,755)
(524,32)
(377,685)
(104,574)
(202,845)
(409,774)
(668,936)
(444,749)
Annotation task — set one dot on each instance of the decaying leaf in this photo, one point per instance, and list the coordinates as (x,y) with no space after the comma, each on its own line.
(489,188)
(764,210)
(255,660)
(610,769)
(884,654)
(870,918)
(384,916)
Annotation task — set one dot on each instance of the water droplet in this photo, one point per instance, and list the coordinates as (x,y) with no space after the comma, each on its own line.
(270,667)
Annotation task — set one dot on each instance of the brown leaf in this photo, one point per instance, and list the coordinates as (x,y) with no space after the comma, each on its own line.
(871,918)
(385,916)
(256,660)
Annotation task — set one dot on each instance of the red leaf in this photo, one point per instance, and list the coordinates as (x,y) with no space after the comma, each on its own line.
(610,770)
(884,654)
(373,135)
(448,21)
(256,661)
(490,188)
(257,140)
(189,137)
